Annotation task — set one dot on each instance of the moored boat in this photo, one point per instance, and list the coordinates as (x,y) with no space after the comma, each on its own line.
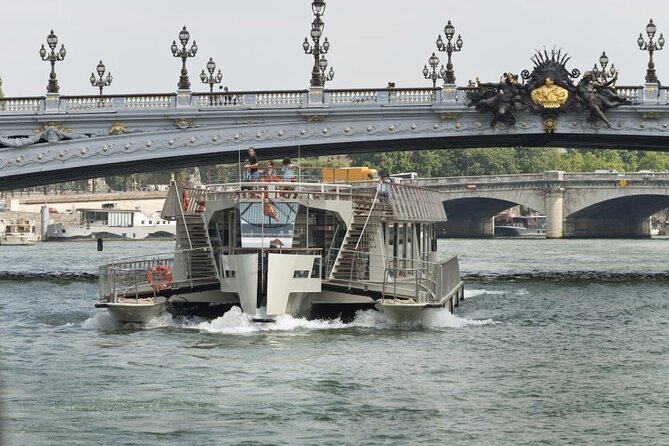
(112,223)
(507,225)
(17,232)
(302,249)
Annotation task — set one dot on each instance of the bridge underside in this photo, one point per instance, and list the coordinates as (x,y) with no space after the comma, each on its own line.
(164,157)
(626,217)
(622,217)
(472,217)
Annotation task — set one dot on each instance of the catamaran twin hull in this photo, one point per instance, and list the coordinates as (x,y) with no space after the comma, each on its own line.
(320,249)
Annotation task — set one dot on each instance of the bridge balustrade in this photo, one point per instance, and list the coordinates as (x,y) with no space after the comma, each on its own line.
(86,102)
(479,180)
(274,99)
(285,98)
(20,105)
(634,93)
(337,97)
(150,101)
(664,95)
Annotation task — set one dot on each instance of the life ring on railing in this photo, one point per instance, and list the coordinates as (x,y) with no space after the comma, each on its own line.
(159,276)
(185,199)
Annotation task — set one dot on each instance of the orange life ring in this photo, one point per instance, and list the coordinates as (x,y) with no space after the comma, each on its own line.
(159,276)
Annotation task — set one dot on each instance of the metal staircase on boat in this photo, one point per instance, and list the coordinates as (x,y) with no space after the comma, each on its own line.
(193,238)
(352,261)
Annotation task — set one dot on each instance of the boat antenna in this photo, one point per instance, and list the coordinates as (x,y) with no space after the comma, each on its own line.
(299,163)
(239,166)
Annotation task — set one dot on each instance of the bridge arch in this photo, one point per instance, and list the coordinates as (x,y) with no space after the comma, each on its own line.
(621,216)
(473,216)
(575,204)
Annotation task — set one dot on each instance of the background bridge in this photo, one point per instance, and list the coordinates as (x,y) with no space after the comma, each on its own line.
(575,204)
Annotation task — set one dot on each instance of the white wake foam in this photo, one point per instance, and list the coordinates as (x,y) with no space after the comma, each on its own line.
(476,292)
(101,321)
(235,322)
(432,318)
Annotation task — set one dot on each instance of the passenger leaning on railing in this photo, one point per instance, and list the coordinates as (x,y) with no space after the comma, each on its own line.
(270,173)
(251,167)
(289,174)
(384,188)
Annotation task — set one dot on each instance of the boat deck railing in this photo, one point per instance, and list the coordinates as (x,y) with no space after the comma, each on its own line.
(129,278)
(422,280)
(403,202)
(280,189)
(280,250)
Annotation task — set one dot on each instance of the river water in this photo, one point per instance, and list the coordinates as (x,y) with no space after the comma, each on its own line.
(558,342)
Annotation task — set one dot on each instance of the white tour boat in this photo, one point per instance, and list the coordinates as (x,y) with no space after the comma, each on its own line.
(17,232)
(302,249)
(112,223)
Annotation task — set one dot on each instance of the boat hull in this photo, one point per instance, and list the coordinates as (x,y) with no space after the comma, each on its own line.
(61,232)
(18,240)
(402,312)
(139,313)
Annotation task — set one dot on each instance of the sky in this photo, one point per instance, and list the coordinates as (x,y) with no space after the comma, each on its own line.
(258,44)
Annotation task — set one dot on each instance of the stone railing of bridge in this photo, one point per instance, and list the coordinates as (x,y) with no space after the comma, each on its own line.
(272,99)
(532,180)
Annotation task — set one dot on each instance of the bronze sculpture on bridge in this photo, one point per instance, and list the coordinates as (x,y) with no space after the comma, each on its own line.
(502,98)
(548,89)
(598,97)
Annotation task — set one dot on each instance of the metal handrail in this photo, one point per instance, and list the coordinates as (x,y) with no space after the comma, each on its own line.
(121,276)
(436,274)
(183,216)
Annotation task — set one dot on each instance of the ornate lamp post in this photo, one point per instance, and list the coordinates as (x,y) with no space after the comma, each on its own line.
(101,81)
(434,75)
(53,57)
(651,46)
(449,48)
(211,79)
(318,76)
(184,53)
(603,73)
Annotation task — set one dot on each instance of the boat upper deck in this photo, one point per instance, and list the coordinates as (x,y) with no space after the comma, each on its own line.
(400,202)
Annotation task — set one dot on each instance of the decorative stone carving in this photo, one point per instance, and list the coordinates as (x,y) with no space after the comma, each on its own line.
(183,123)
(117,128)
(50,132)
(449,116)
(550,124)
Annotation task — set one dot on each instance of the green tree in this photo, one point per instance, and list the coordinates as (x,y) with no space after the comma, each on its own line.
(655,161)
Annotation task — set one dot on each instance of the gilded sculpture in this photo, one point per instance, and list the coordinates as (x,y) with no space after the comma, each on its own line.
(548,89)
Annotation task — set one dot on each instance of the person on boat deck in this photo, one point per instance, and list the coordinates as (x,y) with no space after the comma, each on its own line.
(270,173)
(385,187)
(251,166)
(288,170)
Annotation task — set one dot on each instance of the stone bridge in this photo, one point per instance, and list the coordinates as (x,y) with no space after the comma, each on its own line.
(57,138)
(575,204)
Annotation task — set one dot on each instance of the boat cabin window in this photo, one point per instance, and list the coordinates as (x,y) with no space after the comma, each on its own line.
(268,225)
